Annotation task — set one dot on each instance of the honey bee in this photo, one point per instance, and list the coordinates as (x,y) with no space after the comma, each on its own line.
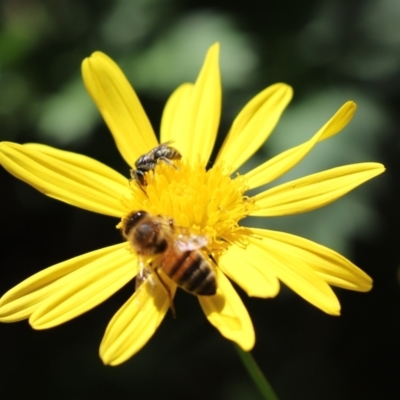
(148,162)
(178,256)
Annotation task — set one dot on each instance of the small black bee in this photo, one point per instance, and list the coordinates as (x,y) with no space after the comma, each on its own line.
(148,162)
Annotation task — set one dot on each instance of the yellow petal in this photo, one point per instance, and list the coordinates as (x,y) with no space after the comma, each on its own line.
(248,271)
(135,323)
(191,116)
(69,177)
(227,313)
(277,166)
(326,263)
(295,273)
(313,191)
(254,124)
(85,288)
(173,120)
(20,301)
(119,106)
(85,163)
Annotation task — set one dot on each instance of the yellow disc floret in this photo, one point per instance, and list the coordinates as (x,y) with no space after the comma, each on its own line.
(208,203)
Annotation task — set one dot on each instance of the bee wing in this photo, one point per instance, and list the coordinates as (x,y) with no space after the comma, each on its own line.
(167,143)
(190,243)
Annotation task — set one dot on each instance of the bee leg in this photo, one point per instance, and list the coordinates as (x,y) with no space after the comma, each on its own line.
(140,186)
(171,300)
(142,275)
(140,179)
(211,257)
(169,162)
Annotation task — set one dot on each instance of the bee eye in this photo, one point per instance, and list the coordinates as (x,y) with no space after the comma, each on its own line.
(133,219)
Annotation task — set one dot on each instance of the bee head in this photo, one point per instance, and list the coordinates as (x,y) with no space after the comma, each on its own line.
(139,176)
(132,220)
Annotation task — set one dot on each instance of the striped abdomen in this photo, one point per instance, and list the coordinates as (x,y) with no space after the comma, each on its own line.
(190,270)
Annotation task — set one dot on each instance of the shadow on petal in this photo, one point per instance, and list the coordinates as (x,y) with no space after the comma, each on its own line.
(227,313)
(135,322)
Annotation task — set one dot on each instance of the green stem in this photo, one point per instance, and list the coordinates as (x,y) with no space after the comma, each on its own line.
(256,374)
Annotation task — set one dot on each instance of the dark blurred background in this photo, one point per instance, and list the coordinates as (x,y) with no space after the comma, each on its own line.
(330,51)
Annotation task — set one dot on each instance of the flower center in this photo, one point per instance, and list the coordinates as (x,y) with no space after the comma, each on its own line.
(208,203)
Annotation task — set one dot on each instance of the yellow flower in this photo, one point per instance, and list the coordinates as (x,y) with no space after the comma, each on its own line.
(204,202)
